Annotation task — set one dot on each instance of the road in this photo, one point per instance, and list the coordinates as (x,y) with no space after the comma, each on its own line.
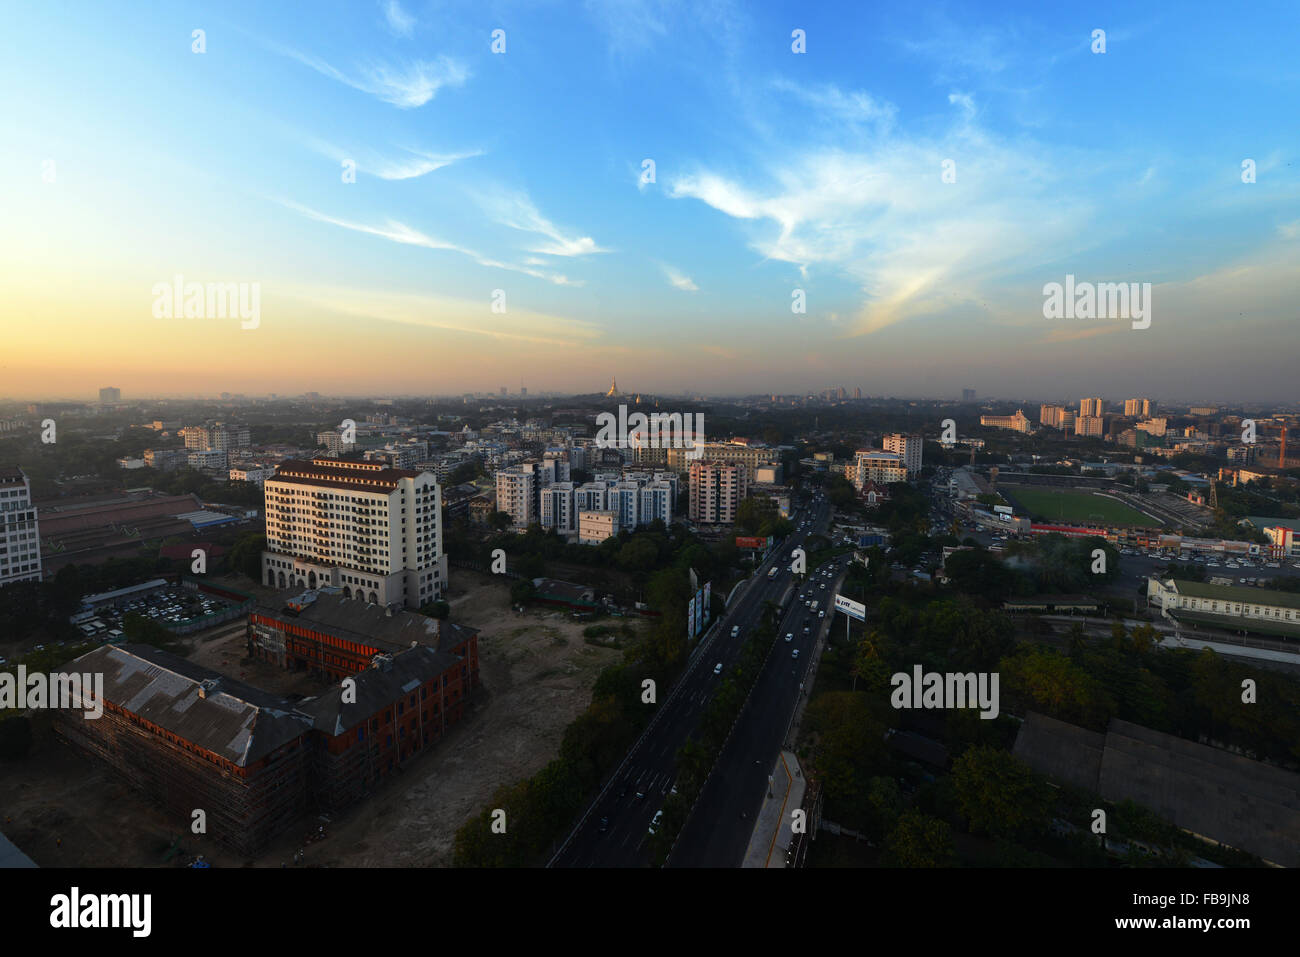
(649,768)
(719,828)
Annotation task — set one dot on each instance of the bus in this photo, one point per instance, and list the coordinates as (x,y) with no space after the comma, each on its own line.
(771,575)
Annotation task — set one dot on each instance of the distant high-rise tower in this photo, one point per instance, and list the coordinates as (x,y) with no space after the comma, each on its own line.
(110,395)
(504,392)
(1091,407)
(968,395)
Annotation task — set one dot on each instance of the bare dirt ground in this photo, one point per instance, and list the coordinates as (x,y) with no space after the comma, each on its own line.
(64,809)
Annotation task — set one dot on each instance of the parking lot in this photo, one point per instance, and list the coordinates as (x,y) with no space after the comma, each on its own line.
(173,607)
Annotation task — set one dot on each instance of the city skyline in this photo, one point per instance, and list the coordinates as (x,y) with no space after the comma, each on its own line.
(522,171)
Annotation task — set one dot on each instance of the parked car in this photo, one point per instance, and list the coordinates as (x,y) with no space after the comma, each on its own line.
(659,816)
(717,669)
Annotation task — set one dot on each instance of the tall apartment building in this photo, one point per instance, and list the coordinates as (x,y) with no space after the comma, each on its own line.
(1139,408)
(517,495)
(333,442)
(1067,420)
(656,503)
(909,447)
(1016,423)
(968,395)
(215,438)
(1051,415)
(874,465)
(624,500)
(20,537)
(110,394)
(1093,426)
(557,510)
(1091,407)
(591,496)
(372,531)
(716,491)
(750,457)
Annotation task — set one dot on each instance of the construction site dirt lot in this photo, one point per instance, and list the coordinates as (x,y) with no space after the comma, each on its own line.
(66,810)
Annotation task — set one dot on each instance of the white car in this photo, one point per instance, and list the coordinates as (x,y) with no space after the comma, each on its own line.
(821,614)
(795,653)
(789,636)
(717,669)
(659,816)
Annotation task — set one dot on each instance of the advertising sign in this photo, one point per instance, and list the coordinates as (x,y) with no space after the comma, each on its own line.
(851,608)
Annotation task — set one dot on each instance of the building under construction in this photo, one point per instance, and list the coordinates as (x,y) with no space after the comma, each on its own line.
(254,762)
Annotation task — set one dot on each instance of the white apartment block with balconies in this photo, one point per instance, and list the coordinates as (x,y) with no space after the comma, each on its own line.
(656,503)
(20,537)
(909,447)
(557,507)
(517,495)
(374,532)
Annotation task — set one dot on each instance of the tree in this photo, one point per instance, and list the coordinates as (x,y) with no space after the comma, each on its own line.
(918,840)
(437,609)
(1000,796)
(246,555)
(500,521)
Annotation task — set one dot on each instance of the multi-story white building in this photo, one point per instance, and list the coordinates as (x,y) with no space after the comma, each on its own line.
(909,447)
(874,465)
(20,537)
(624,498)
(1227,606)
(716,491)
(557,507)
(251,475)
(333,442)
(1156,426)
(656,503)
(592,496)
(517,495)
(596,525)
(166,460)
(208,459)
(372,531)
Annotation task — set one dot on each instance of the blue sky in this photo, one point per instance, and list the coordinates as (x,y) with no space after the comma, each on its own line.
(774,171)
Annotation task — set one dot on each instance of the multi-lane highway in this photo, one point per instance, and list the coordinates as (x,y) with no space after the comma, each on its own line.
(615,828)
(719,829)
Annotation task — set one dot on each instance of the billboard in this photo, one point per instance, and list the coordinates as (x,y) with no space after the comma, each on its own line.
(1002,509)
(851,608)
(690,619)
(744,541)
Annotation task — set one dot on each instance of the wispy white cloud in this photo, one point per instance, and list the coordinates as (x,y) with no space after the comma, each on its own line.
(678,280)
(398,232)
(830,102)
(399,21)
(517,211)
(406,85)
(881,216)
(417,163)
(453,315)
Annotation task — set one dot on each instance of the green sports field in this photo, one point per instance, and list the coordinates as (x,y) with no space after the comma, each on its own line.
(1073,505)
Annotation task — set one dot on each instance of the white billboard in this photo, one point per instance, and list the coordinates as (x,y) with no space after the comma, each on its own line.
(1002,509)
(851,608)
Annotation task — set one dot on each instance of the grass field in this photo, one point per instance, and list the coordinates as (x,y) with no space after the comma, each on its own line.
(1073,505)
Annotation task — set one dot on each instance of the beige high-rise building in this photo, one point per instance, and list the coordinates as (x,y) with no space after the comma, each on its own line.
(1051,415)
(874,465)
(372,531)
(909,447)
(1093,426)
(716,491)
(517,494)
(1091,407)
